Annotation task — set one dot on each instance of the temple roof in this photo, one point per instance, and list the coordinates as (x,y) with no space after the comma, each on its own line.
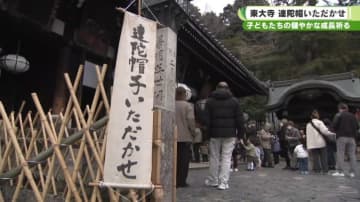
(219,61)
(202,43)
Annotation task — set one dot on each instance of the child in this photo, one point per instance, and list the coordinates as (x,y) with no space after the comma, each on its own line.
(276,149)
(204,151)
(250,154)
(302,156)
(234,159)
(259,156)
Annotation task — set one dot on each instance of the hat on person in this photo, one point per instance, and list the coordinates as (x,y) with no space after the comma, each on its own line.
(222,84)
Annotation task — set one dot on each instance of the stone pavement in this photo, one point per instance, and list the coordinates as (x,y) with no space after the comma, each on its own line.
(271,185)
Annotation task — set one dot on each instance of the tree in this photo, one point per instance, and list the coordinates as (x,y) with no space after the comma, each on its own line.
(285,55)
(213,23)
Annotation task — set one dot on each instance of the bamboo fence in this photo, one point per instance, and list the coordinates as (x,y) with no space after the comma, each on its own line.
(59,157)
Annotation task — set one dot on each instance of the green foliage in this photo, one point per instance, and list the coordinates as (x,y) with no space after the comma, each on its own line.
(284,55)
(254,106)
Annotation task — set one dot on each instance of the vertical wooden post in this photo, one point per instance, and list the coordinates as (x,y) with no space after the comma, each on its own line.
(156,158)
(139,7)
(175,164)
(164,94)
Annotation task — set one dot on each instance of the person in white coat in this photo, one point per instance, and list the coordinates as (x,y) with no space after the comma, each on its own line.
(315,142)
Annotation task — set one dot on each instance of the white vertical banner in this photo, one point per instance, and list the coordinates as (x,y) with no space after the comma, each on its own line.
(165,69)
(128,159)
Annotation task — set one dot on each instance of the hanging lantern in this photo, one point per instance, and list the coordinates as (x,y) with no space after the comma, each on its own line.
(14,63)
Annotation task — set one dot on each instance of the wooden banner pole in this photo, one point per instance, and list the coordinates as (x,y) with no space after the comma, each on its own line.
(139,7)
(156,157)
(175,164)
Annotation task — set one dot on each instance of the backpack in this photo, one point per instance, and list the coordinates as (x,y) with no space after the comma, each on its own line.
(276,144)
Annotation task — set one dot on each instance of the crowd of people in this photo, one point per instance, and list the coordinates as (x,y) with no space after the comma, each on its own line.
(219,122)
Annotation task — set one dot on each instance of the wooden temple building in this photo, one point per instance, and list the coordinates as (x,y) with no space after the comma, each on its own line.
(55,36)
(50,37)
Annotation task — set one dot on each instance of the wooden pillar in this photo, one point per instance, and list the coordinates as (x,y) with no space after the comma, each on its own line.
(164,100)
(170,15)
(60,93)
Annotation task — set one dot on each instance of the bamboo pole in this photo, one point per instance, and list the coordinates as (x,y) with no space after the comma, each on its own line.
(1,197)
(57,150)
(22,132)
(80,118)
(102,89)
(83,122)
(52,126)
(50,161)
(8,150)
(32,146)
(81,183)
(36,151)
(12,119)
(17,161)
(102,153)
(47,153)
(98,174)
(175,163)
(20,110)
(143,195)
(80,153)
(9,140)
(156,157)
(68,148)
(85,125)
(139,7)
(18,151)
(96,139)
(84,150)
(25,123)
(42,180)
(98,110)
(63,125)
(133,195)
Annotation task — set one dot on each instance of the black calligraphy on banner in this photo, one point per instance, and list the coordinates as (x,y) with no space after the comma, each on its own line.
(138,50)
(125,169)
(130,134)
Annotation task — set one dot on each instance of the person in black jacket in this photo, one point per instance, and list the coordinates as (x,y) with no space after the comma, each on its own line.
(224,123)
(346,127)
